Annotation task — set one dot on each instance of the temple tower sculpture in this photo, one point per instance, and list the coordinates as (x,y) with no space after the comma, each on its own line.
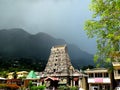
(58,62)
(59,66)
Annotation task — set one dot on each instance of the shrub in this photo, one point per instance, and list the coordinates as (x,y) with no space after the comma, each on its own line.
(63,88)
(42,87)
(30,84)
(34,88)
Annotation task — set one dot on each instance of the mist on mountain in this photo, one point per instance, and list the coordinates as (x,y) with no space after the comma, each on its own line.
(19,43)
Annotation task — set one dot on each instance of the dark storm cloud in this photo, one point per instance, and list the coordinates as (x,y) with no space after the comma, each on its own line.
(60,18)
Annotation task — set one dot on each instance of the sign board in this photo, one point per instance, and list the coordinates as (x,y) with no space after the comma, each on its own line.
(99,80)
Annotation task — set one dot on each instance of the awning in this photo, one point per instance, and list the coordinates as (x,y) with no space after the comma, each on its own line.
(76,79)
(51,78)
(1,78)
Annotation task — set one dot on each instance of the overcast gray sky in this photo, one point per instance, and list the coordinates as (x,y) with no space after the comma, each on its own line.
(60,18)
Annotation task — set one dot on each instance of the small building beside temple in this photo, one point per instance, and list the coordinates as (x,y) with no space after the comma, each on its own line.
(20,74)
(33,78)
(10,75)
(60,69)
(116,68)
(99,79)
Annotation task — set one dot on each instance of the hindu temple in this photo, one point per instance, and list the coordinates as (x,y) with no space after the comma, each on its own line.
(60,69)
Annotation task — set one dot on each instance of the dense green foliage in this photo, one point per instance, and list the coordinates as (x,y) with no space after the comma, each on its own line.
(105,27)
(62,87)
(17,42)
(34,87)
(86,67)
(10,64)
(41,87)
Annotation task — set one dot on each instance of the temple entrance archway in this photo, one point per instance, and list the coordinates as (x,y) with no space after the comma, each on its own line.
(52,81)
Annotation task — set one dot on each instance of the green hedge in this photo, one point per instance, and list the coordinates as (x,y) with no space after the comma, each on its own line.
(67,88)
(42,87)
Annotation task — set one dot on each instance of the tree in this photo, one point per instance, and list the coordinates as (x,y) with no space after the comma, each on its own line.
(105,27)
(3,74)
(15,75)
(87,67)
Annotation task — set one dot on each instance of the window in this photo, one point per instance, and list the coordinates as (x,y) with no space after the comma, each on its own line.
(118,71)
(105,74)
(98,74)
(54,70)
(90,75)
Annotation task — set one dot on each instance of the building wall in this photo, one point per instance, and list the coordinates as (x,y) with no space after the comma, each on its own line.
(116,66)
(99,78)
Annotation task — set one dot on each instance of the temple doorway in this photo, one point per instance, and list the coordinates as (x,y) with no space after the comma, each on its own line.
(52,82)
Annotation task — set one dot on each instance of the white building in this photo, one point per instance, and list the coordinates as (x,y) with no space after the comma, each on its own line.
(99,79)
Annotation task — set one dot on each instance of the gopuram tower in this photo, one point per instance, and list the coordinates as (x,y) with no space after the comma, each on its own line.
(59,68)
(58,62)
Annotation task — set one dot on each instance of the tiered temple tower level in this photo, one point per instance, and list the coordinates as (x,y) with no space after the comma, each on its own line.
(59,61)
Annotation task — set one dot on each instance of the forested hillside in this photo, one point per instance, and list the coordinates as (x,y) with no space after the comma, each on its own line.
(23,50)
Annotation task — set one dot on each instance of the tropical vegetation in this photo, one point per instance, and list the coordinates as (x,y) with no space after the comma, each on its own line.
(105,27)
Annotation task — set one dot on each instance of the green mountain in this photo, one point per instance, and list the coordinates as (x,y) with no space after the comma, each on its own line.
(21,44)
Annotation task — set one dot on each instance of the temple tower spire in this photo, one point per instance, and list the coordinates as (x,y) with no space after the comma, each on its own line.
(59,61)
